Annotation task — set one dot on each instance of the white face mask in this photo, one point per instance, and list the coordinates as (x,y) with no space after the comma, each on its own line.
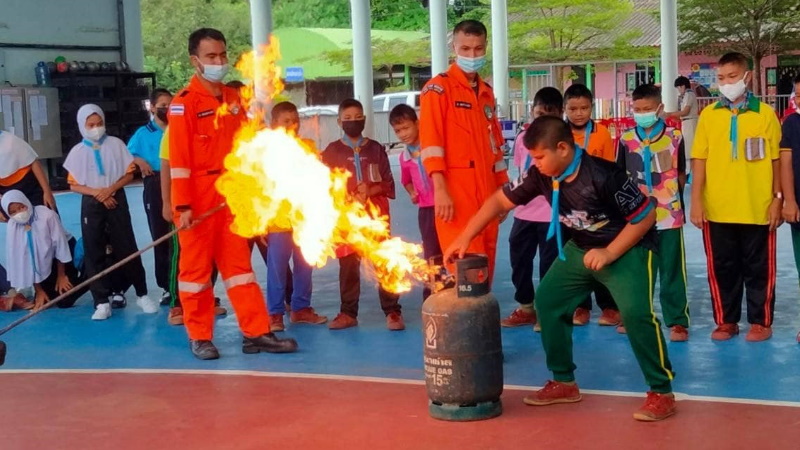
(22,217)
(96,133)
(734,91)
(215,73)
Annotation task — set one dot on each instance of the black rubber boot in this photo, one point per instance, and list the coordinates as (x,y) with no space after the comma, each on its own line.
(268,343)
(204,350)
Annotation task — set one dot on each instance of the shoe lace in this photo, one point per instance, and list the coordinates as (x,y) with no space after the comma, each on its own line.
(551,386)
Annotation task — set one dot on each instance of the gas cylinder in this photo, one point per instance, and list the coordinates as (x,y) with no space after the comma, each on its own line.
(463,351)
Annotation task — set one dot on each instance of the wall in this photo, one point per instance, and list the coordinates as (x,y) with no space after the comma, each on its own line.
(58,24)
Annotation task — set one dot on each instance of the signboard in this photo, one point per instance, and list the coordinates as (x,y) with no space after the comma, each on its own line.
(294,75)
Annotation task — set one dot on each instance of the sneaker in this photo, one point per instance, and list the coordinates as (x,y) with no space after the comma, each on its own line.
(307,315)
(519,318)
(758,333)
(725,331)
(204,350)
(343,321)
(276,322)
(118,301)
(537,328)
(656,407)
(394,322)
(268,343)
(102,312)
(554,392)
(175,316)
(148,305)
(621,329)
(166,299)
(219,310)
(609,318)
(581,317)
(678,333)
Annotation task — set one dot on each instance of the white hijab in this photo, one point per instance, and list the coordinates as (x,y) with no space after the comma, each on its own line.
(14,154)
(43,237)
(110,152)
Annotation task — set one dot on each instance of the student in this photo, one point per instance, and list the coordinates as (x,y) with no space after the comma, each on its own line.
(21,171)
(144,145)
(281,248)
(417,183)
(99,168)
(371,183)
(39,251)
(653,155)
(531,223)
(737,200)
(790,173)
(595,140)
(585,192)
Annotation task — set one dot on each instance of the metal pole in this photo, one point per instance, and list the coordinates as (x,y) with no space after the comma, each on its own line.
(439,51)
(525,93)
(261,27)
(589,78)
(362,59)
(616,89)
(669,51)
(500,55)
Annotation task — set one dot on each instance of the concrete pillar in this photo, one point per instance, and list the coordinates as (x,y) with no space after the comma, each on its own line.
(669,52)
(616,88)
(261,27)
(362,59)
(500,55)
(130,15)
(439,50)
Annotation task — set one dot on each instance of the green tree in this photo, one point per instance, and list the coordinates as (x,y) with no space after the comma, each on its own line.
(755,28)
(387,54)
(311,13)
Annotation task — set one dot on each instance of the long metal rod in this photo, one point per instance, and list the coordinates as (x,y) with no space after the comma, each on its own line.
(90,48)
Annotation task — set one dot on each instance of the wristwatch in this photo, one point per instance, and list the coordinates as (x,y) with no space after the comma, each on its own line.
(778,195)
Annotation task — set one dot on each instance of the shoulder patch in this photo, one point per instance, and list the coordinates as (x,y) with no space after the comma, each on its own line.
(176,109)
(432,87)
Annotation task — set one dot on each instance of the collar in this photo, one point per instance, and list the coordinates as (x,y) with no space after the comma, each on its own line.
(457,74)
(660,124)
(95,145)
(154,126)
(751,103)
(196,86)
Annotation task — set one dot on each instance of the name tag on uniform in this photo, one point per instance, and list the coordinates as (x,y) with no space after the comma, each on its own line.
(464,105)
(754,149)
(662,161)
(207,113)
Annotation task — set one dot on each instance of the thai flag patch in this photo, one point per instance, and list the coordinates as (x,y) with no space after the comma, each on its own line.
(176,110)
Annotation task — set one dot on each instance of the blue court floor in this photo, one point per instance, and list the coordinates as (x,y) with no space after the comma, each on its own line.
(68,339)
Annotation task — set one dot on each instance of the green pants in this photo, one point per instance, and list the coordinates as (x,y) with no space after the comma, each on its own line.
(796,247)
(630,281)
(669,263)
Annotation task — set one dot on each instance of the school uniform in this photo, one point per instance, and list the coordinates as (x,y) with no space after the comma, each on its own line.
(16,160)
(790,141)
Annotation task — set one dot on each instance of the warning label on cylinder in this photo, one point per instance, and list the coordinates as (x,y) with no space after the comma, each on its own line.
(438,371)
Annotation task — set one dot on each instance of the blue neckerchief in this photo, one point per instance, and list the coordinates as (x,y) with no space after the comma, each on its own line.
(31,248)
(356,146)
(589,128)
(413,152)
(95,146)
(647,156)
(735,111)
(555,225)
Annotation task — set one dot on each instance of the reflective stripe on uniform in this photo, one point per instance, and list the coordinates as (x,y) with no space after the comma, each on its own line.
(192,288)
(180,173)
(239,280)
(500,166)
(432,152)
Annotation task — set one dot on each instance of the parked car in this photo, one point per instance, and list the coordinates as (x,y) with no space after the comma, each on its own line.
(385,102)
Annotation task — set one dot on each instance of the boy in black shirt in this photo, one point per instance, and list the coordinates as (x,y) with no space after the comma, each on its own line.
(611,243)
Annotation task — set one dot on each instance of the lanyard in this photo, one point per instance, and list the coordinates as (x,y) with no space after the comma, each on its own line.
(95,146)
(356,157)
(647,155)
(555,227)
(414,153)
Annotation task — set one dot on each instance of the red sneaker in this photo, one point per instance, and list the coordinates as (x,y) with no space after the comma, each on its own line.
(554,392)
(175,316)
(276,322)
(307,315)
(519,318)
(581,317)
(394,322)
(342,321)
(725,331)
(758,333)
(678,333)
(609,318)
(656,407)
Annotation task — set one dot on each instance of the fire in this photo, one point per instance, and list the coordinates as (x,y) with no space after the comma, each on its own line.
(275,179)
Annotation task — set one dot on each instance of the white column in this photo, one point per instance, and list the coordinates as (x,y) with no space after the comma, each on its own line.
(132,33)
(439,51)
(362,59)
(500,55)
(261,27)
(669,53)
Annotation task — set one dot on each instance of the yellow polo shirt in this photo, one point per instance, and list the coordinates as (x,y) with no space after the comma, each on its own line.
(738,187)
(164,150)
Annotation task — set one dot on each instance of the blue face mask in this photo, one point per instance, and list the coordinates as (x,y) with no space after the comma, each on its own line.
(471,65)
(645,120)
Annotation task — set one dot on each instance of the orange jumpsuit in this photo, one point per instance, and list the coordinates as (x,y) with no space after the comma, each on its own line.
(600,143)
(197,150)
(461,138)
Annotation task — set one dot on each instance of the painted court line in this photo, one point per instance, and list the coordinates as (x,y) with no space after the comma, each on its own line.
(332,377)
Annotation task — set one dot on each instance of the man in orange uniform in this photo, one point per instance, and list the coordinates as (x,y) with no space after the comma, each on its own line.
(461,140)
(199,139)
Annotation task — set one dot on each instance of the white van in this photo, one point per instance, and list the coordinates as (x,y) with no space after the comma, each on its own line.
(385,102)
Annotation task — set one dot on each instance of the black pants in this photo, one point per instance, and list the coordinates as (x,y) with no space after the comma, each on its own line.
(741,259)
(94,220)
(158,227)
(49,284)
(29,186)
(430,239)
(350,288)
(525,238)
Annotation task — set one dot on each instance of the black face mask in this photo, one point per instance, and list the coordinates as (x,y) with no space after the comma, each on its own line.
(161,113)
(353,128)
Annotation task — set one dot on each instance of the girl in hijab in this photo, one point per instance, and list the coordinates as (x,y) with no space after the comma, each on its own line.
(99,168)
(39,251)
(20,170)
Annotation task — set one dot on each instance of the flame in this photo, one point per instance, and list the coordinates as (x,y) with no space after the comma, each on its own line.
(274,179)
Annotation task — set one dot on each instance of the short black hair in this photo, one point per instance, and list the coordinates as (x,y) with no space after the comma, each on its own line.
(402,112)
(204,33)
(683,81)
(578,91)
(550,99)
(158,92)
(797,78)
(548,131)
(473,27)
(350,103)
(283,107)
(235,84)
(734,58)
(646,91)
